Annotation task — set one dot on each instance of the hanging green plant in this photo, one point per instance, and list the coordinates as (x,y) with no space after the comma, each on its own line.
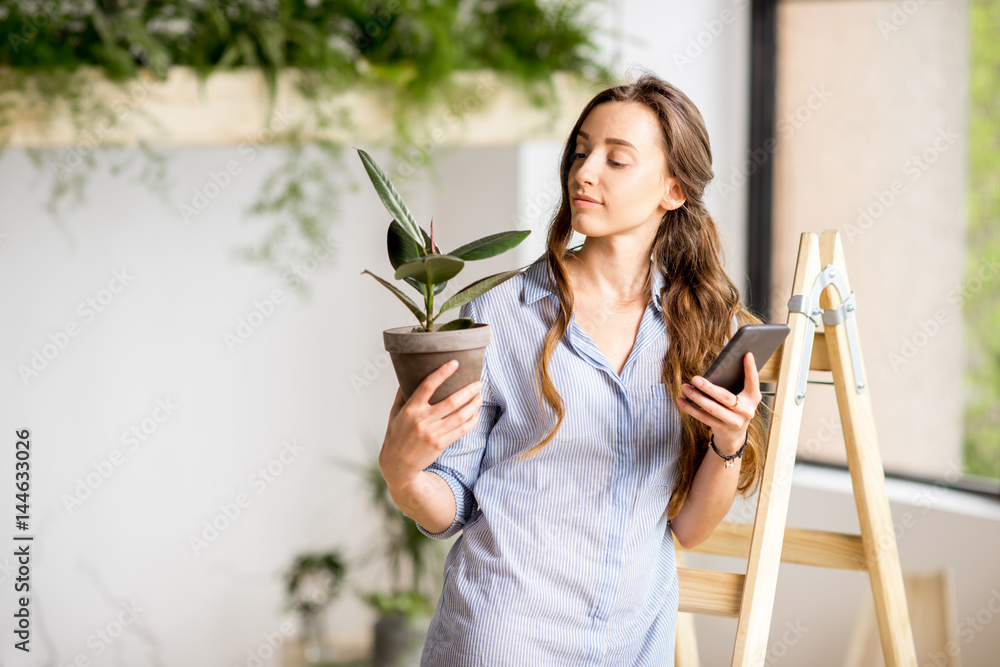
(407,52)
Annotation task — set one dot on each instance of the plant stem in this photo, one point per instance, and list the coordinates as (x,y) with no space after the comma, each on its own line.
(430,307)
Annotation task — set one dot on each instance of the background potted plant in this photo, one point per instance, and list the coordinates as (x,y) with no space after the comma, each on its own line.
(418,351)
(312,582)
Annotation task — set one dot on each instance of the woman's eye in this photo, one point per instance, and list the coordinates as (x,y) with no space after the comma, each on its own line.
(613,163)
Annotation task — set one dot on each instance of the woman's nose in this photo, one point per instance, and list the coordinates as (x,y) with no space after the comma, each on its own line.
(584,174)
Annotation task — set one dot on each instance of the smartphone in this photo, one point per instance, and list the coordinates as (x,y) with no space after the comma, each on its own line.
(763,340)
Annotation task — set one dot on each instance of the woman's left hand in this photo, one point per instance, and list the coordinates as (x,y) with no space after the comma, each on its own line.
(729,414)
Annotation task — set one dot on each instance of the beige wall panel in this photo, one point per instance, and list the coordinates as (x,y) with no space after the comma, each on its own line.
(871,133)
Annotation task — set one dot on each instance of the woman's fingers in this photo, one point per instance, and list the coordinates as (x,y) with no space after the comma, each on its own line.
(720,409)
(419,431)
(397,404)
(751,381)
(426,389)
(455,400)
(420,400)
(700,411)
(461,421)
(724,401)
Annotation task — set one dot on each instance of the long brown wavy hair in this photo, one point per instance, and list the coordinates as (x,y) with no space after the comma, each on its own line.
(699,300)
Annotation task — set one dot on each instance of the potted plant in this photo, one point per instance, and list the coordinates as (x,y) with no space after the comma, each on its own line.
(312,582)
(405,610)
(418,351)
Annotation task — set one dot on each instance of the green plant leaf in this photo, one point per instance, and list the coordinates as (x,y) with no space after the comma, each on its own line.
(477,288)
(217,18)
(248,50)
(438,287)
(391,199)
(489,246)
(402,249)
(330,562)
(271,37)
(414,308)
(314,580)
(229,57)
(460,323)
(431,270)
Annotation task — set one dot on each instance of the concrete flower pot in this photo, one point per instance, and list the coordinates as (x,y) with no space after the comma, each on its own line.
(399,641)
(417,355)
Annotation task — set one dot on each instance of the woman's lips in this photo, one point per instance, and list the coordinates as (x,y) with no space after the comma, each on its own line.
(583,203)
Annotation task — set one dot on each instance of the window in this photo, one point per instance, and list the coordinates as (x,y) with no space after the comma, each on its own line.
(894,142)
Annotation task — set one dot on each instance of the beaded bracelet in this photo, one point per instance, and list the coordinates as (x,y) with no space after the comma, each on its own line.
(729,459)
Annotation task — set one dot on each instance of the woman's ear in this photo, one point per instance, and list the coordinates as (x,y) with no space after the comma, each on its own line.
(673,196)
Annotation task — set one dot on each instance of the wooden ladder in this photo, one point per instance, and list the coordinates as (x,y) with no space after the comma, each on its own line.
(820,291)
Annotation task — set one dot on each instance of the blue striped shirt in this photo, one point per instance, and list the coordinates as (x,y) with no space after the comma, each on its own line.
(566,558)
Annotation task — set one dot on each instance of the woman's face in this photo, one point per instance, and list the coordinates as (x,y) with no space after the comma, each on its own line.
(619,163)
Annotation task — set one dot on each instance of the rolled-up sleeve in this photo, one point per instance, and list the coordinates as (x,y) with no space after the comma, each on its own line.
(459,464)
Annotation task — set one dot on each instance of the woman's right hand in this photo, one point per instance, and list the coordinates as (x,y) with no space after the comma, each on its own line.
(418,432)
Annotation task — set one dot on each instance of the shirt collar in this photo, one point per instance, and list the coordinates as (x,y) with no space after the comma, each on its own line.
(538,283)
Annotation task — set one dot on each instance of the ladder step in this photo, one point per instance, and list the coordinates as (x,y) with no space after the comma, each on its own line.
(709,592)
(819,359)
(819,548)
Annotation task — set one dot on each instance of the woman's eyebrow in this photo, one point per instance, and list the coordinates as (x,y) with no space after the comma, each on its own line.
(610,140)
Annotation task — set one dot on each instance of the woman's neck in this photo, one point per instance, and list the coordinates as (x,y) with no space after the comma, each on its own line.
(622,280)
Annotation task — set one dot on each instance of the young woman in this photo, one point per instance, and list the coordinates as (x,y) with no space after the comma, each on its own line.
(575,460)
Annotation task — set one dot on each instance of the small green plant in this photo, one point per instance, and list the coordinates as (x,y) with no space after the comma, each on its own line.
(418,261)
(314,580)
(411,604)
